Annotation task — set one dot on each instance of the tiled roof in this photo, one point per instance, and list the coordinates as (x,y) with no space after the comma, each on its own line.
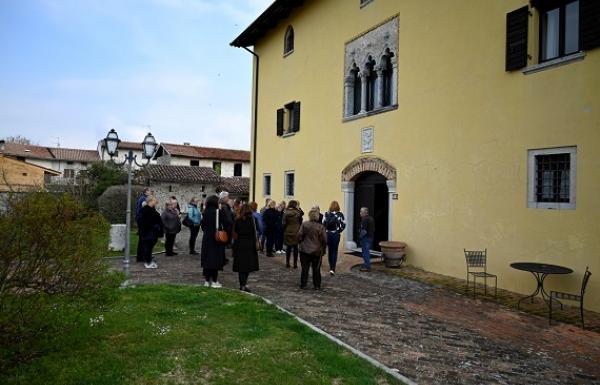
(206,152)
(27,151)
(189,174)
(125,145)
(279,10)
(236,185)
(75,154)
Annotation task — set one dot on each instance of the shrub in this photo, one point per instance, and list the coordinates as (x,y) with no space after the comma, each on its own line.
(113,203)
(51,269)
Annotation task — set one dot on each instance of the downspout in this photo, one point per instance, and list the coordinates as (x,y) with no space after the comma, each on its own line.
(255,123)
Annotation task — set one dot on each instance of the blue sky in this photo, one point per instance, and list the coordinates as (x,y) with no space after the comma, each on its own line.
(73,69)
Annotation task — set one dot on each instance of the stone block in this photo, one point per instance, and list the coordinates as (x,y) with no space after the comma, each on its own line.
(118,234)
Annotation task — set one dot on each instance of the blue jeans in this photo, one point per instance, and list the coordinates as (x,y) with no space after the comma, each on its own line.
(333,242)
(366,244)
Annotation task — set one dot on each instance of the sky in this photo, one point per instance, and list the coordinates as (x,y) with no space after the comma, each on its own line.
(70,70)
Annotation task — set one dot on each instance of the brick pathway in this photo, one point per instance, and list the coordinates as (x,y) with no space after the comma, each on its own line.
(429,334)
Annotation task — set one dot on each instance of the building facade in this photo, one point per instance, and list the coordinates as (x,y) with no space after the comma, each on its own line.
(225,162)
(462,124)
(19,176)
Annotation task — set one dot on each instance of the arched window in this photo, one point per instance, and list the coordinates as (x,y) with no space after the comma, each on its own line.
(371,78)
(288,42)
(357,90)
(387,72)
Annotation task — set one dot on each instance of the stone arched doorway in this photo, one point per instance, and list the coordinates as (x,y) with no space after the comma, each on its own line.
(367,174)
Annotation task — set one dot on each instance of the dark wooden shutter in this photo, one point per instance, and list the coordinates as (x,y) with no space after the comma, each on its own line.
(296,117)
(516,38)
(589,24)
(280,122)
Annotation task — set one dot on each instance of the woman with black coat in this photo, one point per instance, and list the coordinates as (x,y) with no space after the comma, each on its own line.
(245,256)
(150,229)
(212,254)
(271,218)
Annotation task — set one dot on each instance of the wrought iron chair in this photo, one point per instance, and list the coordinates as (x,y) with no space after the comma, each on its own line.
(558,295)
(477,267)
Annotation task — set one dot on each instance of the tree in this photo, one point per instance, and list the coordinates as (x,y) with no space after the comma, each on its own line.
(18,139)
(51,270)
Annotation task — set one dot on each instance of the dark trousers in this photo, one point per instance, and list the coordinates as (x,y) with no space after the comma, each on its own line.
(333,242)
(169,243)
(147,246)
(270,242)
(211,274)
(279,240)
(194,230)
(310,261)
(139,256)
(288,252)
(243,277)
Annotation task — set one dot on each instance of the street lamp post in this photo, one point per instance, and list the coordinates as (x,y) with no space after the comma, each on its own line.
(111,142)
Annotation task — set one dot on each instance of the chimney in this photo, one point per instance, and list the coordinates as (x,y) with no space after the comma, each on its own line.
(186,143)
(2,141)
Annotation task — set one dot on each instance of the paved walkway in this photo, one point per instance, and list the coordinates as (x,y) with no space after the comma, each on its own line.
(429,334)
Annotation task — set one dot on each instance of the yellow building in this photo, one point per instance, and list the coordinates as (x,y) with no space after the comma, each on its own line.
(460,124)
(17,175)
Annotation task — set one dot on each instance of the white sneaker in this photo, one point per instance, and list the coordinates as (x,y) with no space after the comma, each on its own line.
(206,284)
(331,272)
(148,266)
(216,285)
(153,265)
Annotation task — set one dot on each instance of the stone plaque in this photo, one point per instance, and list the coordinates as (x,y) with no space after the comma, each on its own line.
(367,138)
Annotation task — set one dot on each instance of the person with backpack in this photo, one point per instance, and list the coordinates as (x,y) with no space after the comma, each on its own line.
(335,223)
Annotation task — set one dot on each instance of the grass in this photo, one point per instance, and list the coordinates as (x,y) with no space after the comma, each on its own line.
(193,335)
(133,242)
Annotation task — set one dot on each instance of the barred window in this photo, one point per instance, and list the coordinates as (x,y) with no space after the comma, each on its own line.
(552,178)
(267,185)
(289,183)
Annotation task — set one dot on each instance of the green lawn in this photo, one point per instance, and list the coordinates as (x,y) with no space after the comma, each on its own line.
(133,239)
(193,335)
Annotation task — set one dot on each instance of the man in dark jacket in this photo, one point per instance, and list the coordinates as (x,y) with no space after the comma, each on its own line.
(366,235)
(151,228)
(141,201)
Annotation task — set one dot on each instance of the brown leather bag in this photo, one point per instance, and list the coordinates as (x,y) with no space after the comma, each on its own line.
(220,234)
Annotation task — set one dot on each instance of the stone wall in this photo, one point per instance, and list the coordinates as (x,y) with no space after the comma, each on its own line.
(182,191)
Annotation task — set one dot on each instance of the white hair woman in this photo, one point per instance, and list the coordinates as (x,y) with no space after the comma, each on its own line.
(150,229)
(172,226)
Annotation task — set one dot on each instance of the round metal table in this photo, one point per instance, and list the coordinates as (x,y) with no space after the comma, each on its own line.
(540,271)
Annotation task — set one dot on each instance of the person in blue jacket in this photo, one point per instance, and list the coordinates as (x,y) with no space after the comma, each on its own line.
(196,217)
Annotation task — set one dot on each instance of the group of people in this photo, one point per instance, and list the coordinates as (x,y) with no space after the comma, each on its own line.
(238,225)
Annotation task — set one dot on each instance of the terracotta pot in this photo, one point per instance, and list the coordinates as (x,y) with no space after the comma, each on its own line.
(393,253)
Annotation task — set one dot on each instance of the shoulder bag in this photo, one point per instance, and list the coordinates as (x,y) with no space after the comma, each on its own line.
(220,234)
(257,242)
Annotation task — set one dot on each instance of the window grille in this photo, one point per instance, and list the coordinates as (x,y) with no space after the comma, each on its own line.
(553,178)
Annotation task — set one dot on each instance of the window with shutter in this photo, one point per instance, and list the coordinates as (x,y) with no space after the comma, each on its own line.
(280,122)
(296,117)
(516,38)
(589,24)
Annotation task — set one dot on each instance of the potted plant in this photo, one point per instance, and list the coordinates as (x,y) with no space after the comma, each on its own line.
(394,254)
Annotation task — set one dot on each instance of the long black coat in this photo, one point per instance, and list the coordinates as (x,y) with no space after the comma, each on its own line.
(245,256)
(150,224)
(270,218)
(212,253)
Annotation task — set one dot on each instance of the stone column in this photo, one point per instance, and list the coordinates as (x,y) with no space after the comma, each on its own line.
(394,93)
(349,96)
(391,185)
(379,88)
(348,190)
(363,96)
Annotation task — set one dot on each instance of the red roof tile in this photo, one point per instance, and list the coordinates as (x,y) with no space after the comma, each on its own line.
(197,152)
(75,154)
(189,174)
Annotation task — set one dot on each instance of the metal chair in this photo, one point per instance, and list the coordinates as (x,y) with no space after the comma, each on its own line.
(477,267)
(557,295)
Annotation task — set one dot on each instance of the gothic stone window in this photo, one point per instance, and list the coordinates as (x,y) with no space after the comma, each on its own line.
(371,71)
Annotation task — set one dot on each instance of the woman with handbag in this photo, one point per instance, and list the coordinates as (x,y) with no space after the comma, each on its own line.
(212,253)
(245,246)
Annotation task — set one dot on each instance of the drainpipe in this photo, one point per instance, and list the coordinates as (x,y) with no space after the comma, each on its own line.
(255,123)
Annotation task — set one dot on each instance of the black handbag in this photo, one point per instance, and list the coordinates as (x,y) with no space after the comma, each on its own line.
(187,222)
